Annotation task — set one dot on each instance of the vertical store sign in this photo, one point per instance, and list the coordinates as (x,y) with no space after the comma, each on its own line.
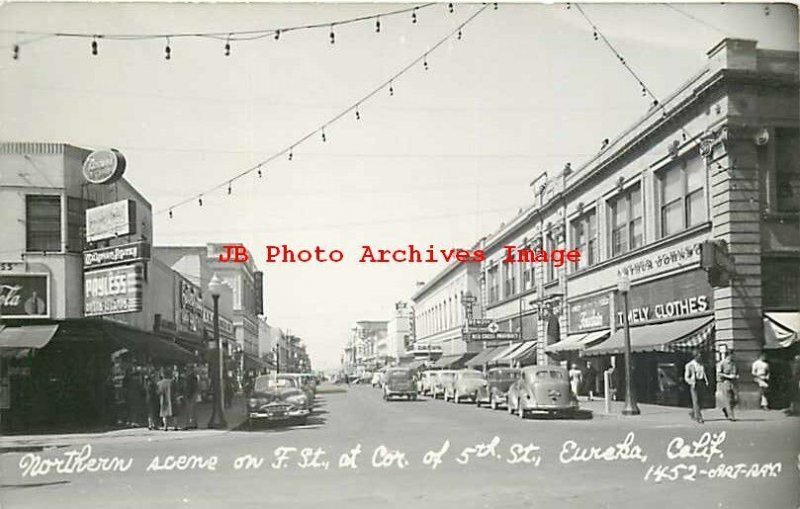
(259,281)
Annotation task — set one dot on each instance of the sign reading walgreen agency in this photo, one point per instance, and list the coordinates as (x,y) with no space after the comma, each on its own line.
(24,296)
(111,220)
(116,255)
(113,290)
(672,298)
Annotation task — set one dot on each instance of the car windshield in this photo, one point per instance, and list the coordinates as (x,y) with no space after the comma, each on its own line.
(549,375)
(471,374)
(264,384)
(398,375)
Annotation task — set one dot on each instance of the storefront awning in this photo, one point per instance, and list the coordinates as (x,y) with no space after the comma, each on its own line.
(519,351)
(660,337)
(453,361)
(152,345)
(416,364)
(27,336)
(781,329)
(485,356)
(577,342)
(253,362)
(503,351)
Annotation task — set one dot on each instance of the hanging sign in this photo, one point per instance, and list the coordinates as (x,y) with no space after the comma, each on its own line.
(111,220)
(24,296)
(103,166)
(113,291)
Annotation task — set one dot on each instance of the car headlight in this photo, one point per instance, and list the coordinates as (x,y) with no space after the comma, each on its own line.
(252,402)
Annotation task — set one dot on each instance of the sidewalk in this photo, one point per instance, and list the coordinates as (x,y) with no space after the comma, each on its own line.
(672,415)
(235,416)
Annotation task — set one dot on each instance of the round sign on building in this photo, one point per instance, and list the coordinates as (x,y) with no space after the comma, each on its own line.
(104,166)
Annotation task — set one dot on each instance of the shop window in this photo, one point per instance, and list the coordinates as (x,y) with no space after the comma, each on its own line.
(625,216)
(682,196)
(43,223)
(787,169)
(494,285)
(584,236)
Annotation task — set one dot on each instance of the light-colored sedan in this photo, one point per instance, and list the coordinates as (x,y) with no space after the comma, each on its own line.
(466,384)
(442,382)
(426,380)
(542,389)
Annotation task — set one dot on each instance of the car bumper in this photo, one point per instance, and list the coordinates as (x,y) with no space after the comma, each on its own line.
(277,416)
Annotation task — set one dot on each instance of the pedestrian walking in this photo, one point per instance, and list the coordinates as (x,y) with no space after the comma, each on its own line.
(151,399)
(590,380)
(694,374)
(164,388)
(727,376)
(575,377)
(760,372)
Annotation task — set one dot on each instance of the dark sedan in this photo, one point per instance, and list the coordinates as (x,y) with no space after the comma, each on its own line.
(277,398)
(498,381)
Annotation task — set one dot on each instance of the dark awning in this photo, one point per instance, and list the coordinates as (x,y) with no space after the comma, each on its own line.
(152,345)
(27,336)
(485,356)
(453,361)
(656,337)
(253,362)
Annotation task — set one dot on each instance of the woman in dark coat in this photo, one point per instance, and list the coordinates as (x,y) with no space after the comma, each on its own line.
(151,400)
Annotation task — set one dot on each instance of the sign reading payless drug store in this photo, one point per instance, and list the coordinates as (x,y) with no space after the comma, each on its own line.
(113,291)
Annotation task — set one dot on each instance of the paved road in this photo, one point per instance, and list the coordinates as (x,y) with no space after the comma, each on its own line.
(360,418)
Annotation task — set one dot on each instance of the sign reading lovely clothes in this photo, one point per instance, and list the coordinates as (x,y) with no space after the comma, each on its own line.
(589,314)
(24,296)
(113,291)
(111,220)
(682,296)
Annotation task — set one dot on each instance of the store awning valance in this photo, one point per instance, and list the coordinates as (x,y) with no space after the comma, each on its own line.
(156,347)
(660,337)
(253,362)
(781,329)
(453,361)
(577,342)
(503,352)
(520,350)
(485,356)
(27,336)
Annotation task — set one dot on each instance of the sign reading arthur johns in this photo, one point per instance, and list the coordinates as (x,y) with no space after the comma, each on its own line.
(113,291)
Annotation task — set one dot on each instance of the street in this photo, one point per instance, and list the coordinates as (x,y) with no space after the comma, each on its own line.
(531,463)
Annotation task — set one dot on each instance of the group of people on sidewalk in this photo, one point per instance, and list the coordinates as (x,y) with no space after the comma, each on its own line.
(166,398)
(727,384)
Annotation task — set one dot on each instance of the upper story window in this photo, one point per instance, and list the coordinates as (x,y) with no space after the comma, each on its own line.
(494,285)
(681,192)
(42,223)
(527,273)
(787,170)
(584,237)
(550,245)
(625,219)
(509,280)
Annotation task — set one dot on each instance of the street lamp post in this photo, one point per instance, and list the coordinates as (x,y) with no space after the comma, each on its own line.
(631,408)
(217,420)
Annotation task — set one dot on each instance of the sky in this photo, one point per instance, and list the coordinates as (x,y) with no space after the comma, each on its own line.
(444,160)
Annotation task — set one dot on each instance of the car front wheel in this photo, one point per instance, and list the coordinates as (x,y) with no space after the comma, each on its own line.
(508,406)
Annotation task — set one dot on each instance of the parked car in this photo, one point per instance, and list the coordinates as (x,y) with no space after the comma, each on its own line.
(465,385)
(304,384)
(377,379)
(498,381)
(399,382)
(277,398)
(542,389)
(443,379)
(426,381)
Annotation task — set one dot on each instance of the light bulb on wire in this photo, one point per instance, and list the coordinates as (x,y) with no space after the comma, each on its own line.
(277,34)
(425,62)
(358,114)
(168,55)
(595,34)
(450,7)
(459,34)
(94,46)
(291,153)
(324,138)
(391,89)
(378,25)
(414,15)
(228,46)
(16,52)
(332,36)
(170,213)
(200,201)
(229,188)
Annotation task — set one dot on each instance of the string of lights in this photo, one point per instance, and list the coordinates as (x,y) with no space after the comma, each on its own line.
(646,91)
(228,36)
(288,151)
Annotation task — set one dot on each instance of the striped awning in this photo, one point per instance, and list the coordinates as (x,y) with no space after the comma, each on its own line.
(781,329)
(577,342)
(696,341)
(519,351)
(659,337)
(503,352)
(27,336)
(485,355)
